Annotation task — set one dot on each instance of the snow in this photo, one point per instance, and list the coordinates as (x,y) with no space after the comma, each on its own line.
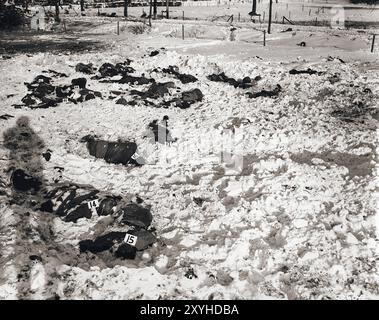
(292,227)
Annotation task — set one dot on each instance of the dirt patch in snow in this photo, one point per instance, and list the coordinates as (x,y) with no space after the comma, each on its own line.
(35,45)
(358,165)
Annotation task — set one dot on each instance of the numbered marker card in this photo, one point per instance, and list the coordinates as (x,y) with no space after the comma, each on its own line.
(92,205)
(135,156)
(130,239)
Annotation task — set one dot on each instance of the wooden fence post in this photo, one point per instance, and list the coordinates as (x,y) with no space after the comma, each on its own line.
(118,27)
(182,31)
(373,43)
(150,12)
(264,38)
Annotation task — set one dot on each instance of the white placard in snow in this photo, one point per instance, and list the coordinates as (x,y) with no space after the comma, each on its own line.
(130,239)
(93,204)
(135,156)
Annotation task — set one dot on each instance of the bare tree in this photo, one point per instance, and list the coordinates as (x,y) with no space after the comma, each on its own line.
(150,12)
(254,10)
(155,9)
(56,3)
(269,17)
(126,3)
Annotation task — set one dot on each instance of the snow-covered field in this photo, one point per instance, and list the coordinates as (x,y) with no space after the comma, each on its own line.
(296,218)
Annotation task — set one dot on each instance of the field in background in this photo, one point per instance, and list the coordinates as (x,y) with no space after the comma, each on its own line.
(316,12)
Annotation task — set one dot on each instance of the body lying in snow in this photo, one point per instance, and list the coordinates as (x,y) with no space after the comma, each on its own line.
(72,202)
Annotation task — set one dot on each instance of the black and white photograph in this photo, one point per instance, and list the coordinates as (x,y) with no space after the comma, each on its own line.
(183,150)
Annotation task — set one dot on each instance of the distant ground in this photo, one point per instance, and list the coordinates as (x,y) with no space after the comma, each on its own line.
(296,11)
